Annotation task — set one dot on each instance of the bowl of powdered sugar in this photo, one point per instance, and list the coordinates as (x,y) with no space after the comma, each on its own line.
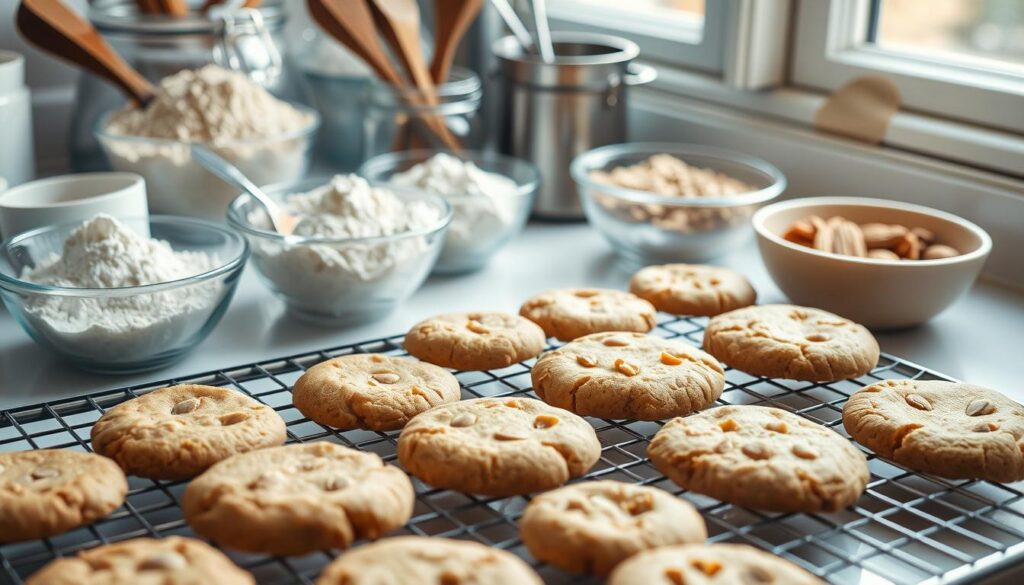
(357,251)
(270,140)
(121,295)
(491,196)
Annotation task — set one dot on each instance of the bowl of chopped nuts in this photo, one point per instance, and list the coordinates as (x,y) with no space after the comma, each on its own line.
(882,263)
(659,203)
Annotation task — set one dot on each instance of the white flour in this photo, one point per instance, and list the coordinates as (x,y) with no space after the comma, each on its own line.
(104,253)
(331,278)
(223,109)
(484,205)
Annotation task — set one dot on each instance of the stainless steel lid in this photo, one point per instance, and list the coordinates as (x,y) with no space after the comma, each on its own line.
(582,61)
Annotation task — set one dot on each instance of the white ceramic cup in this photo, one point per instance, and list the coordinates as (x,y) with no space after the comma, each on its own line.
(71,198)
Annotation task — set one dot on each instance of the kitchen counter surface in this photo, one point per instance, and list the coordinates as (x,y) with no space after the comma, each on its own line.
(977,340)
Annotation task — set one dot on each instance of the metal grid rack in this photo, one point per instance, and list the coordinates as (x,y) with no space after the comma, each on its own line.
(907,527)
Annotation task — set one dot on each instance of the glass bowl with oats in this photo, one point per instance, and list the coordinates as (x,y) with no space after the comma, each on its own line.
(662,202)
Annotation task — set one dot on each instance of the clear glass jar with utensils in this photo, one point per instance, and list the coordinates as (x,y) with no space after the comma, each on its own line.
(405,118)
(158,45)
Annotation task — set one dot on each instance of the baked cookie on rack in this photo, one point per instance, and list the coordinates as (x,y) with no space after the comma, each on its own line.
(591,527)
(568,313)
(169,561)
(710,563)
(796,343)
(372,391)
(693,289)
(415,560)
(628,376)
(949,429)
(498,446)
(49,491)
(475,341)
(178,432)
(297,499)
(762,458)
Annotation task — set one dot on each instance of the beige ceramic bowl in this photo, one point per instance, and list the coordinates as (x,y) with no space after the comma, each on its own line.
(881,294)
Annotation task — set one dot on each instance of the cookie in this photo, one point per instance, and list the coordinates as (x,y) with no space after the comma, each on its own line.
(762,458)
(297,499)
(693,289)
(592,526)
(498,446)
(49,491)
(698,564)
(173,560)
(178,432)
(371,391)
(569,313)
(475,341)
(796,343)
(949,429)
(628,376)
(415,560)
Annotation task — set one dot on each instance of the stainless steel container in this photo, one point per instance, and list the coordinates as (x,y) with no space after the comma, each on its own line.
(551,112)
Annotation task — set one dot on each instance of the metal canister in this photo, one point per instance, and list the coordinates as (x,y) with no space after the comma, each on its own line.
(551,112)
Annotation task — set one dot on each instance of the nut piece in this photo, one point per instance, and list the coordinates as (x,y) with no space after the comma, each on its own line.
(616,342)
(801,232)
(185,406)
(756,451)
(477,327)
(883,254)
(164,561)
(938,251)
(985,427)
(777,426)
(804,452)
(728,425)
(626,368)
(585,361)
(509,436)
(925,236)
(545,421)
(882,235)
(386,377)
(980,407)
(919,402)
(848,240)
(670,360)
(709,568)
(233,418)
(44,473)
(675,576)
(463,419)
(909,247)
(823,237)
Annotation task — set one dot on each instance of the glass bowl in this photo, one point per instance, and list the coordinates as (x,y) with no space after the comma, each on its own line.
(340,280)
(647,228)
(176,185)
(90,339)
(480,226)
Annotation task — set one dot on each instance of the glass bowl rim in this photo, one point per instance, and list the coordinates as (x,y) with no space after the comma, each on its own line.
(390,160)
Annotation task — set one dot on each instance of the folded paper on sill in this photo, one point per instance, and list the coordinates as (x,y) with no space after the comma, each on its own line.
(860,109)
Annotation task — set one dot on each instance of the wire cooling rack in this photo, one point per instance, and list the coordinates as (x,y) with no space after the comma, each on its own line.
(907,528)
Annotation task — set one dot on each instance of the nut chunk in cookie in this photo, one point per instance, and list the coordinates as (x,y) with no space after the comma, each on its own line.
(710,563)
(297,499)
(178,432)
(762,458)
(693,289)
(795,343)
(475,341)
(568,313)
(498,446)
(949,429)
(628,376)
(49,491)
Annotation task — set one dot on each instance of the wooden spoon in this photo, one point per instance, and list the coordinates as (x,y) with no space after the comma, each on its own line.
(55,28)
(351,23)
(453,18)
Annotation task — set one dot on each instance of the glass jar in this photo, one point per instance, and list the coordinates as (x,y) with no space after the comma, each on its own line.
(158,46)
(400,118)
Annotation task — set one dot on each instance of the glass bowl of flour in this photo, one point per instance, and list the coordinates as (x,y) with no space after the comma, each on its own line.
(358,250)
(121,295)
(491,196)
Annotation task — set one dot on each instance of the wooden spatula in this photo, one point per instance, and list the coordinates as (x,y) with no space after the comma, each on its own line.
(55,28)
(452,19)
(351,23)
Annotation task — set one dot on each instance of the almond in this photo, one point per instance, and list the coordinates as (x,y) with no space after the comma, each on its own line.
(883,254)
(882,235)
(925,236)
(909,248)
(849,240)
(801,232)
(938,251)
(822,234)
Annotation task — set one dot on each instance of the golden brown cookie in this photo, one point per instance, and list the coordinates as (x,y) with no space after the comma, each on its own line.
(797,343)
(762,458)
(372,391)
(418,560)
(297,499)
(173,560)
(498,446)
(49,491)
(950,429)
(699,564)
(592,526)
(475,341)
(693,289)
(569,313)
(178,432)
(628,376)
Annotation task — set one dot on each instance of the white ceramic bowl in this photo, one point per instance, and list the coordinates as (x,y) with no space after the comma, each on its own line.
(70,198)
(880,294)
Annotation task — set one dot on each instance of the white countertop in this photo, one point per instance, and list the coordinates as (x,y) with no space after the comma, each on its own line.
(977,340)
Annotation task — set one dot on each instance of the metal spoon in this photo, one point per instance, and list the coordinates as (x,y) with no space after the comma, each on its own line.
(282,221)
(540,23)
(519,31)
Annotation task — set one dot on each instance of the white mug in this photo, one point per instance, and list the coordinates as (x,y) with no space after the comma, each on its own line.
(70,198)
